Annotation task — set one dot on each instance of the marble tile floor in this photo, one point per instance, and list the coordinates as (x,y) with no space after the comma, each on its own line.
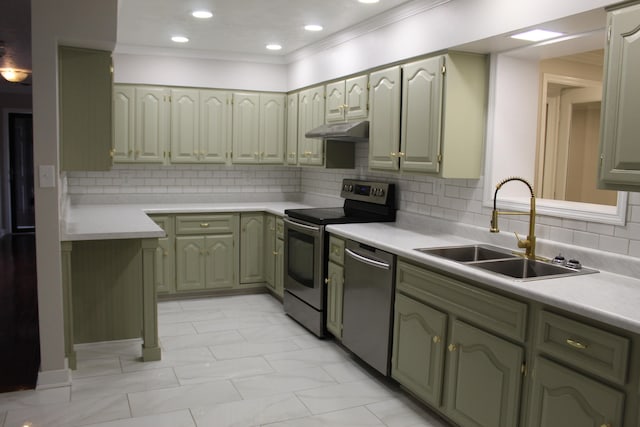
(227,361)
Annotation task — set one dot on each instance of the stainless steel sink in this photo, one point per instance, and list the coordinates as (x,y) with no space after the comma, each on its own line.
(503,261)
(469,253)
(526,269)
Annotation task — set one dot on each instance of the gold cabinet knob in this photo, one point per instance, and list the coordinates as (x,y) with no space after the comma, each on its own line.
(436,339)
(401,154)
(394,154)
(204,225)
(606,425)
(326,281)
(576,344)
(165,253)
(276,253)
(452,348)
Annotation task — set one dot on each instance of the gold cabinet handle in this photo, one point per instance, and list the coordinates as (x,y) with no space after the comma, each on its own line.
(165,253)
(276,252)
(576,344)
(606,425)
(452,348)
(204,225)
(436,339)
(327,281)
(401,154)
(112,152)
(393,154)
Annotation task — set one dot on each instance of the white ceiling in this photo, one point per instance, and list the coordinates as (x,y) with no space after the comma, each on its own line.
(244,27)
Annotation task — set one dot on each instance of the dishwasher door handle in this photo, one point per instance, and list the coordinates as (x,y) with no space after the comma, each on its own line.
(368,261)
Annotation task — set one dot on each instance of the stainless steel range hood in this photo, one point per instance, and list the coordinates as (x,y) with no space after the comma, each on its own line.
(350,131)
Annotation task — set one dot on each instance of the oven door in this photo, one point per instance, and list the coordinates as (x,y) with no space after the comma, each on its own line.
(304,261)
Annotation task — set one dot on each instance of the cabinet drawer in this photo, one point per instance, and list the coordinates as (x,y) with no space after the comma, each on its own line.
(491,311)
(279,228)
(336,250)
(586,347)
(204,224)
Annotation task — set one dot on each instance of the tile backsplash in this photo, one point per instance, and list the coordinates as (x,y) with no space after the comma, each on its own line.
(454,200)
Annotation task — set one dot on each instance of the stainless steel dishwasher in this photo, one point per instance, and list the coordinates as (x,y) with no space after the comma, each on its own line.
(368,304)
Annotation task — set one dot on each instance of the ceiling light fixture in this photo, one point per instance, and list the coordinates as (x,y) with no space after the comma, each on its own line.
(273,46)
(201,14)
(536,35)
(368,1)
(180,39)
(313,27)
(14,76)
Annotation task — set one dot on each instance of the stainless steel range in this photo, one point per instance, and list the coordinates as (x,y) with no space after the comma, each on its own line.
(306,244)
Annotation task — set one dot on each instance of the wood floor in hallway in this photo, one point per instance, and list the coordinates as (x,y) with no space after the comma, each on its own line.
(19,339)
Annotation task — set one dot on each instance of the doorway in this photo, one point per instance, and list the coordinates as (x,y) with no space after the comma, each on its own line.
(21,172)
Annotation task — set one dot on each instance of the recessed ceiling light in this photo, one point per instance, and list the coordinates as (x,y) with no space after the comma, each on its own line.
(368,1)
(179,39)
(202,14)
(274,46)
(536,35)
(313,27)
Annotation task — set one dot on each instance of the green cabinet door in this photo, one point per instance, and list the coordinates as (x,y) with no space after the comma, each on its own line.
(219,261)
(564,398)
(310,115)
(620,151)
(152,124)
(384,126)
(165,269)
(419,348)
(185,125)
(279,285)
(251,248)
(292,130)
(272,128)
(86,90)
(335,291)
(270,252)
(484,375)
(246,128)
(124,121)
(190,263)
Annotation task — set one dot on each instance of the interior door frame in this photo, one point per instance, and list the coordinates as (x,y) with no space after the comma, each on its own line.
(6,224)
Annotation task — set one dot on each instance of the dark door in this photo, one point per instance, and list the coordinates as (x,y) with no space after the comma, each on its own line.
(21,172)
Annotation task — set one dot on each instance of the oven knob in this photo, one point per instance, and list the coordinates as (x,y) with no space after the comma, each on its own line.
(350,188)
(380,192)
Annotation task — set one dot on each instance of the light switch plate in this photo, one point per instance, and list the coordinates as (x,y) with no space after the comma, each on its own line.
(47,176)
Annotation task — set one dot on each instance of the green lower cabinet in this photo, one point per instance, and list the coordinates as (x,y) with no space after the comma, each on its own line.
(279,279)
(484,377)
(165,277)
(335,289)
(204,262)
(270,252)
(252,248)
(419,348)
(564,398)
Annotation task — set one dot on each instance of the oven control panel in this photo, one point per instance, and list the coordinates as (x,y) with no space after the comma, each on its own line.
(368,191)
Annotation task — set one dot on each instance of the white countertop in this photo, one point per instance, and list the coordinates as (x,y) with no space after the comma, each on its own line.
(130,221)
(610,298)
(604,296)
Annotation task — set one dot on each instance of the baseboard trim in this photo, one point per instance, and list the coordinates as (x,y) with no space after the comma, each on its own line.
(54,378)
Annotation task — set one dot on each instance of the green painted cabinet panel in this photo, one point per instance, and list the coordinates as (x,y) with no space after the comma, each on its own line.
(335,293)
(190,263)
(270,251)
(86,90)
(384,127)
(219,261)
(215,126)
(563,398)
(346,99)
(422,84)
(484,378)
(124,123)
(292,129)
(272,128)
(311,112)
(165,276)
(419,334)
(152,124)
(251,247)
(620,127)
(246,127)
(279,285)
(185,125)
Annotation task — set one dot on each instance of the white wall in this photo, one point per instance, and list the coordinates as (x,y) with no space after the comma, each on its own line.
(211,73)
(79,23)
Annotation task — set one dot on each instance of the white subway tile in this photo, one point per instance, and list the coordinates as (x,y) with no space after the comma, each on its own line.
(614,244)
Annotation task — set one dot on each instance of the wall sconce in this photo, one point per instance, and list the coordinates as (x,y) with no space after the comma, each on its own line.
(14,76)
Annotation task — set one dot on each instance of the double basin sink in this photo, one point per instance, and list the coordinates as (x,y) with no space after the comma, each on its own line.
(502,261)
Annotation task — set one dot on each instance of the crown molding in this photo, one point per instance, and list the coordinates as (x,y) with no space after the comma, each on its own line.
(129,49)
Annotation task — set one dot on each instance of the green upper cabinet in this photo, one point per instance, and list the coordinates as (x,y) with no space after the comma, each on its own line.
(200,126)
(310,115)
(620,127)
(346,99)
(564,398)
(152,124)
(272,128)
(258,128)
(292,129)
(251,247)
(85,83)
(140,124)
(442,110)
(384,126)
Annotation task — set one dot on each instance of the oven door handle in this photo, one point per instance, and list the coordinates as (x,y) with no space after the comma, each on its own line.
(306,227)
(368,261)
